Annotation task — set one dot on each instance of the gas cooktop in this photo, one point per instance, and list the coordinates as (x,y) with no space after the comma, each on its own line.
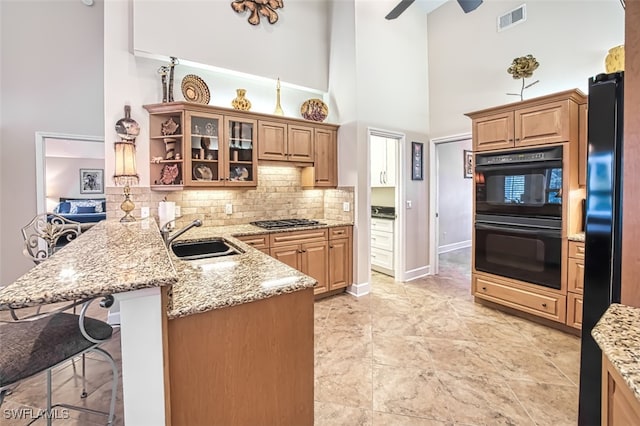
(285,223)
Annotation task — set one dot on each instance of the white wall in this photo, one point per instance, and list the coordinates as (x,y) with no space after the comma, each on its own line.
(52,81)
(454,195)
(63,177)
(209,32)
(468,58)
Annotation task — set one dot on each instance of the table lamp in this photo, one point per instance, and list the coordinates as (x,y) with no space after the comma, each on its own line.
(125,174)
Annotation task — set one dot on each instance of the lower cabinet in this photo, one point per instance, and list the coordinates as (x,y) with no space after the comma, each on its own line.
(575,284)
(521,297)
(309,258)
(382,245)
(619,404)
(340,257)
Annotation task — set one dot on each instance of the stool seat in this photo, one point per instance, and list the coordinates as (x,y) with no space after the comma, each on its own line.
(29,347)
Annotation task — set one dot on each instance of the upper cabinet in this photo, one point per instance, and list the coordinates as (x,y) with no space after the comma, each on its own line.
(544,120)
(383,162)
(196,145)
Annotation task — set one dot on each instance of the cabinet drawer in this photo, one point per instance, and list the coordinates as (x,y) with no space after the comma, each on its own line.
(382,240)
(256,241)
(382,258)
(575,281)
(545,305)
(381,224)
(296,237)
(574,310)
(339,232)
(576,249)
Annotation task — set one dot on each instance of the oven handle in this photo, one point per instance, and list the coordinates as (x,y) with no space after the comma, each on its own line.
(518,166)
(538,230)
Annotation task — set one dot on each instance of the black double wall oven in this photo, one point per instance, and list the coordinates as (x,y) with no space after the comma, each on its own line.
(518,222)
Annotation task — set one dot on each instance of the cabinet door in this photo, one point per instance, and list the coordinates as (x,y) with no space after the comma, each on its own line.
(241,160)
(378,153)
(576,275)
(339,263)
(582,145)
(493,132)
(389,176)
(289,255)
(314,263)
(574,310)
(204,135)
(326,159)
(166,151)
(272,142)
(548,123)
(300,144)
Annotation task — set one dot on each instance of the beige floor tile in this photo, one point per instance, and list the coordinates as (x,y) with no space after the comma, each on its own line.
(463,356)
(345,381)
(386,419)
(401,351)
(343,343)
(548,404)
(328,414)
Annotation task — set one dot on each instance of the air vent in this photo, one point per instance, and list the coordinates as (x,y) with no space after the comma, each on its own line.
(513,17)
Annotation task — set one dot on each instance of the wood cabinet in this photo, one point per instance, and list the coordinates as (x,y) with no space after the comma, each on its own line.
(382,253)
(285,142)
(216,147)
(520,296)
(383,162)
(340,257)
(575,283)
(257,241)
(247,364)
(306,251)
(620,407)
(323,254)
(544,120)
(324,172)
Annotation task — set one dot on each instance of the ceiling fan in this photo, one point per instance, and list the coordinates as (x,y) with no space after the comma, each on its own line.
(467,6)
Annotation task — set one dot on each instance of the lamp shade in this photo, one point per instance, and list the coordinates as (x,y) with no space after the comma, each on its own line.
(125,164)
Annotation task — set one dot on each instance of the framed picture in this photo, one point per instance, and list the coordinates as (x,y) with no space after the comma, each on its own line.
(468,164)
(416,160)
(91,181)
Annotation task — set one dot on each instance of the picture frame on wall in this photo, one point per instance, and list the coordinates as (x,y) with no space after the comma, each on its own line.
(468,164)
(92,181)
(417,149)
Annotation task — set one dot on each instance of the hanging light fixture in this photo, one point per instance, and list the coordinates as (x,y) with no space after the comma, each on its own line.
(125,161)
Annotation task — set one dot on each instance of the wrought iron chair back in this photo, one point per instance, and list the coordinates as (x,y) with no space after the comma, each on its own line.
(46,233)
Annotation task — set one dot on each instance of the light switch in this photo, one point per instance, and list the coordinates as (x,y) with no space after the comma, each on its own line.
(178,211)
(346,206)
(409,204)
(228,208)
(144,212)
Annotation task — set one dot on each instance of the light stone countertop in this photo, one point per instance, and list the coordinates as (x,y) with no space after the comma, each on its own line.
(618,335)
(111,257)
(232,280)
(579,237)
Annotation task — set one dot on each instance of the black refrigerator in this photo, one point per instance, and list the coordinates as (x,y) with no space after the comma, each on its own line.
(603,230)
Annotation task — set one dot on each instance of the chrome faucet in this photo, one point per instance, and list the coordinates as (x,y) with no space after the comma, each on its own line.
(166,231)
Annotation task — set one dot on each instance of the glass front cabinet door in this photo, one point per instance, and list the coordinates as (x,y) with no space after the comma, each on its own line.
(221,151)
(240,155)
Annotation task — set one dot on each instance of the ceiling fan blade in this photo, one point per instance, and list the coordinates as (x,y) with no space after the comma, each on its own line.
(397,11)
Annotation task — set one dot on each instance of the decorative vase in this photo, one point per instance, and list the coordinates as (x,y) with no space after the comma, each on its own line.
(615,59)
(240,102)
(278,110)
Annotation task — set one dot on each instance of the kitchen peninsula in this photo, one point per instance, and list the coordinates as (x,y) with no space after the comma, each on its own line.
(180,349)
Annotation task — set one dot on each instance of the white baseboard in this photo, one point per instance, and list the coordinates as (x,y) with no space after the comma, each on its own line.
(113,318)
(414,274)
(455,246)
(359,289)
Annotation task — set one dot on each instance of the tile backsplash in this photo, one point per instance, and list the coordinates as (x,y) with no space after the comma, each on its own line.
(278,195)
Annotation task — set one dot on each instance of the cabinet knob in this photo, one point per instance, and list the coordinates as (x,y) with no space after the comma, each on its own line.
(517,139)
(484,288)
(510,140)
(544,305)
(304,251)
(330,246)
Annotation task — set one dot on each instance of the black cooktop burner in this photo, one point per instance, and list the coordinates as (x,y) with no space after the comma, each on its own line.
(285,223)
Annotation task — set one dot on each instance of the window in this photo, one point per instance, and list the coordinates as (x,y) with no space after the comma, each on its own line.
(513,189)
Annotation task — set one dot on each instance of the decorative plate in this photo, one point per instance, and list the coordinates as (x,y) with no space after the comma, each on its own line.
(239,174)
(194,89)
(314,110)
(202,172)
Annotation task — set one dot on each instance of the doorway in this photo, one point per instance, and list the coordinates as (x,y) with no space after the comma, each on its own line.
(386,195)
(451,200)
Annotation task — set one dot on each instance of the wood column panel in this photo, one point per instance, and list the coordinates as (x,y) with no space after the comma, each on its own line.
(631,166)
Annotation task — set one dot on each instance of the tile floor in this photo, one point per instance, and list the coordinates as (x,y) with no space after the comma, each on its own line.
(419,353)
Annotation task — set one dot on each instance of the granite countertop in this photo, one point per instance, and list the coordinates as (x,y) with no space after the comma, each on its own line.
(111,257)
(618,335)
(579,237)
(232,280)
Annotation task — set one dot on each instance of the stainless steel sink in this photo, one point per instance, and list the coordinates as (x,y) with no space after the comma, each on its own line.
(203,249)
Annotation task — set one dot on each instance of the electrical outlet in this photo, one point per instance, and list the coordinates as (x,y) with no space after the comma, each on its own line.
(346,206)
(144,212)
(409,204)
(228,208)
(178,211)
